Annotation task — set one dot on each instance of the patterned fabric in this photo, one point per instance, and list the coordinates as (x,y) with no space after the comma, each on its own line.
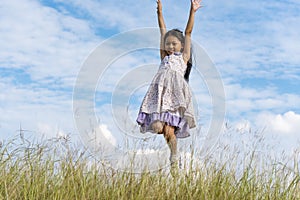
(168,98)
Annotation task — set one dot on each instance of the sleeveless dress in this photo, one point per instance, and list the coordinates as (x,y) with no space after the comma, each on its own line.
(168,98)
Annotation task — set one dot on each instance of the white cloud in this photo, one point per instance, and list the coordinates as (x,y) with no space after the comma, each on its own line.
(107,134)
(241,99)
(49,130)
(248,39)
(42,41)
(117,14)
(47,47)
(287,123)
(243,126)
(32,108)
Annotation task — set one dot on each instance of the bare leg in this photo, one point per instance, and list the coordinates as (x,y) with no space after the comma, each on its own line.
(169,134)
(157,127)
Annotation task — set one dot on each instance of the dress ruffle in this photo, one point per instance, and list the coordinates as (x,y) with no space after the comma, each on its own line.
(145,121)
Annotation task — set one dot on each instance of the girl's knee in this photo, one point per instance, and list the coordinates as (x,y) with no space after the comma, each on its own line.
(157,127)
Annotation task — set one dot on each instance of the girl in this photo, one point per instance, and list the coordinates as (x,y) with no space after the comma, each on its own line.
(167,106)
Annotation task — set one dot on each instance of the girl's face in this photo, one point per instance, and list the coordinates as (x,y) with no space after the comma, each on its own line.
(172,44)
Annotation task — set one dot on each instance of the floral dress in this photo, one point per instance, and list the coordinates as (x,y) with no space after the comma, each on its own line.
(168,98)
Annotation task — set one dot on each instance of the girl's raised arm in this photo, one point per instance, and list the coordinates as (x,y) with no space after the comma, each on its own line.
(162,26)
(195,5)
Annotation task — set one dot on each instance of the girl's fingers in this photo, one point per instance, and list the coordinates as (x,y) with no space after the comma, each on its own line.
(196,4)
(196,1)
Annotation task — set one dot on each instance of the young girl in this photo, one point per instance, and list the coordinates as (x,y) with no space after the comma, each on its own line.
(167,106)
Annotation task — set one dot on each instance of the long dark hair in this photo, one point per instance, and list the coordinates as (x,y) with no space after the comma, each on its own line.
(178,33)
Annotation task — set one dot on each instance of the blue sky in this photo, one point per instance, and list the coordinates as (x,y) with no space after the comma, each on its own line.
(253,44)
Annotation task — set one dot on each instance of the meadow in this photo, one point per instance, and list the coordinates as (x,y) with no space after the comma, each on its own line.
(57,169)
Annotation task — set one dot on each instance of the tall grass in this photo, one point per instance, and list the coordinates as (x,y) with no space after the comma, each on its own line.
(56,169)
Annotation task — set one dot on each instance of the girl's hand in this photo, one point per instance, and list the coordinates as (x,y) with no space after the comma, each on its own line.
(159,5)
(196,4)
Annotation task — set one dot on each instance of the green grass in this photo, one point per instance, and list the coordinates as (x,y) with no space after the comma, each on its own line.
(46,170)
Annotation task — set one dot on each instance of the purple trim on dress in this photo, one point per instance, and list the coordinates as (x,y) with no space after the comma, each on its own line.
(145,120)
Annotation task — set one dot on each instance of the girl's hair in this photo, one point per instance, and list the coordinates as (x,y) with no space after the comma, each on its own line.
(178,34)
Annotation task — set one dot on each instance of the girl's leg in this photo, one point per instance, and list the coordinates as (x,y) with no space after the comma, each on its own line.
(157,127)
(169,134)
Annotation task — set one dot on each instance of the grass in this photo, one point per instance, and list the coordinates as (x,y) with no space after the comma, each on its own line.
(54,169)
